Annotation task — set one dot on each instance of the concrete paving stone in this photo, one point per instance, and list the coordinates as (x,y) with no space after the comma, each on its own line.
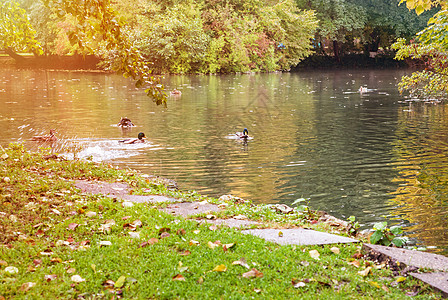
(438,280)
(118,190)
(232,223)
(412,258)
(190,208)
(299,236)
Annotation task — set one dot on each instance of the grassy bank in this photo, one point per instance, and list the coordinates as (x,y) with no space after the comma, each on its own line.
(57,242)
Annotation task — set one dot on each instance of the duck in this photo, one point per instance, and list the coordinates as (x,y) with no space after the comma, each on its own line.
(125,122)
(243,135)
(363,89)
(139,139)
(175,92)
(45,138)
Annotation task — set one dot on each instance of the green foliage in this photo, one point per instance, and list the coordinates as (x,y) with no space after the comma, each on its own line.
(353,226)
(387,236)
(430,49)
(16,32)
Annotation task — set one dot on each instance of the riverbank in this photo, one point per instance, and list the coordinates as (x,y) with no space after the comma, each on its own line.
(60,242)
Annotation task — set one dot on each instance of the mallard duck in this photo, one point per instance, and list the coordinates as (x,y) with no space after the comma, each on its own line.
(125,122)
(45,138)
(139,139)
(175,92)
(243,135)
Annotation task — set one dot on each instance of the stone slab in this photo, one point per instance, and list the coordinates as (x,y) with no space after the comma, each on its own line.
(412,258)
(186,209)
(232,223)
(118,190)
(438,280)
(299,236)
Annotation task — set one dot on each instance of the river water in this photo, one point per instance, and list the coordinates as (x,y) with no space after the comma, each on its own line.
(314,136)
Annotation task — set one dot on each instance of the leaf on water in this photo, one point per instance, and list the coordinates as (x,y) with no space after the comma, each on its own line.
(77,279)
(241,262)
(26,286)
(314,254)
(120,282)
(253,273)
(335,250)
(179,277)
(220,268)
(365,272)
(72,226)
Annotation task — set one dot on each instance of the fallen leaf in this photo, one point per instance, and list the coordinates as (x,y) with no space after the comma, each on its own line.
(90,214)
(194,243)
(220,268)
(355,263)
(226,247)
(305,263)
(210,217)
(71,270)
(125,218)
(357,255)
(181,267)
(127,204)
(164,235)
(365,272)
(241,262)
(77,279)
(37,262)
(297,283)
(11,270)
(185,253)
(120,282)
(72,226)
(213,228)
(212,245)
(280,234)
(50,277)
(93,266)
(201,280)
(4,263)
(314,254)
(181,231)
(179,277)
(252,273)
(134,235)
(196,231)
(109,284)
(5,156)
(401,279)
(26,286)
(105,243)
(240,217)
(56,260)
(374,284)
(335,250)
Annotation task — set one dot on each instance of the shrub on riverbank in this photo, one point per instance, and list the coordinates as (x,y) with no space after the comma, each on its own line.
(60,243)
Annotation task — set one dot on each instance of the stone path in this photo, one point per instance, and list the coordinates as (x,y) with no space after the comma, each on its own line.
(412,260)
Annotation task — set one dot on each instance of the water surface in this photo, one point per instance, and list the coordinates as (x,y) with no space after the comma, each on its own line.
(371,155)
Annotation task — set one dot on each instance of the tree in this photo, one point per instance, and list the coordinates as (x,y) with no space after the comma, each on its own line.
(430,47)
(16,32)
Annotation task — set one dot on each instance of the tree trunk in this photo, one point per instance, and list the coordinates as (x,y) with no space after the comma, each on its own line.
(336,51)
(14,55)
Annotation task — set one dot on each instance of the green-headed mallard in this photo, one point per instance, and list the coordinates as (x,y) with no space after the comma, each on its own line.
(243,135)
(45,138)
(125,122)
(139,139)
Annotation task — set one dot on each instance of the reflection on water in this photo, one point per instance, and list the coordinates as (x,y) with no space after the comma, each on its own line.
(314,136)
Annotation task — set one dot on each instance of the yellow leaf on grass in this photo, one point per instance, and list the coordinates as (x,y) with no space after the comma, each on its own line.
(401,279)
(375,284)
(335,250)
(120,282)
(220,268)
(365,272)
(314,254)
(179,277)
(212,245)
(355,263)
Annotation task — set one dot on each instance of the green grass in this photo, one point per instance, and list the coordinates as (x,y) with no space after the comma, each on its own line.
(40,243)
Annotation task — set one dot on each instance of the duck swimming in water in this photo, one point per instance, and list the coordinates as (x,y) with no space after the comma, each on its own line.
(139,139)
(243,135)
(45,138)
(175,92)
(125,122)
